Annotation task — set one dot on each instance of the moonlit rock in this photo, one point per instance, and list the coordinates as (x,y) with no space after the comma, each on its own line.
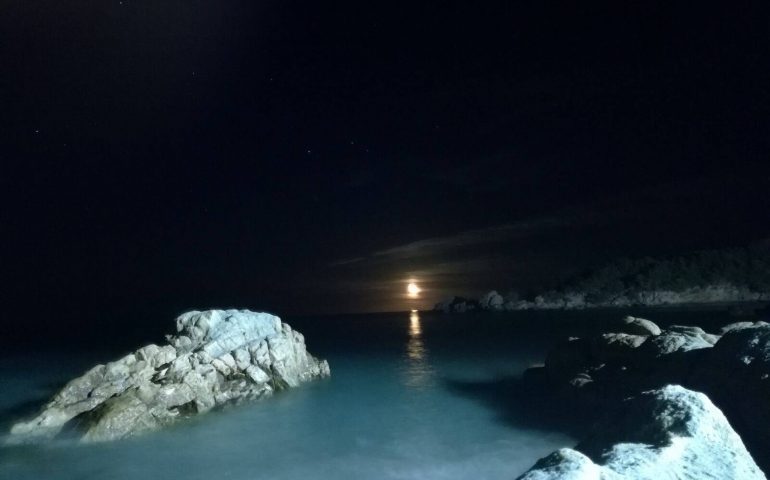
(709,338)
(218,357)
(639,326)
(671,341)
(671,432)
(567,464)
(492,301)
(221,331)
(456,305)
(740,326)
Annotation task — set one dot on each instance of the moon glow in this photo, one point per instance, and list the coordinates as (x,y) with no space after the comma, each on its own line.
(413,290)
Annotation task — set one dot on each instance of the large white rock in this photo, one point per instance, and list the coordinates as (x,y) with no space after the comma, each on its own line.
(217,357)
(669,433)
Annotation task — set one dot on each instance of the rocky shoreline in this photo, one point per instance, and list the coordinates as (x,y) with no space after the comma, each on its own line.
(674,402)
(710,295)
(217,358)
(642,384)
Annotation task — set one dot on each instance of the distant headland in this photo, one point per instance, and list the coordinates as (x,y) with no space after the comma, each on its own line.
(729,276)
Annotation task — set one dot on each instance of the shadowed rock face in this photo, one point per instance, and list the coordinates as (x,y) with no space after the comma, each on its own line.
(666,433)
(217,357)
(733,369)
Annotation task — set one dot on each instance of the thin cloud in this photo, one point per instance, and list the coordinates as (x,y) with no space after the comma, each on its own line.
(470,237)
(346,261)
(485,236)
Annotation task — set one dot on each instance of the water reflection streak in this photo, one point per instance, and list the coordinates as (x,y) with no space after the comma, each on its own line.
(419,371)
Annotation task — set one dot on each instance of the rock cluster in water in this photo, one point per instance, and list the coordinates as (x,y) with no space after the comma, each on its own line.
(217,357)
(664,430)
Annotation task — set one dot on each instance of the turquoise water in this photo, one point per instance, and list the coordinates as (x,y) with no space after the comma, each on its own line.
(411,396)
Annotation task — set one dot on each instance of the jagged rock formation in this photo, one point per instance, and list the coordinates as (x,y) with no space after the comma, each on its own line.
(666,433)
(217,357)
(492,301)
(732,368)
(456,305)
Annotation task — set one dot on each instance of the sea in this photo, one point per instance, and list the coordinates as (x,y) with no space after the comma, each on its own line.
(413,395)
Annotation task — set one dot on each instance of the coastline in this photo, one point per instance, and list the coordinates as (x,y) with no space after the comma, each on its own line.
(744,303)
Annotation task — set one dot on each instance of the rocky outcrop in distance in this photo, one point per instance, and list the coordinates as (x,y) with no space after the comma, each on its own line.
(713,294)
(735,275)
(456,305)
(217,358)
(598,374)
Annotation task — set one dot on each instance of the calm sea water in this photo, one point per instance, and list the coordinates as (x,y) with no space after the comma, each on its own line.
(412,396)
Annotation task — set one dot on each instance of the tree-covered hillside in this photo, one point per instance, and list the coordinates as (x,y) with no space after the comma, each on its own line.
(730,275)
(741,267)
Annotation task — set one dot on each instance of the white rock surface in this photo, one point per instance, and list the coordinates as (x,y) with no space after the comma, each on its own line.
(639,326)
(216,358)
(567,464)
(736,326)
(669,433)
(671,341)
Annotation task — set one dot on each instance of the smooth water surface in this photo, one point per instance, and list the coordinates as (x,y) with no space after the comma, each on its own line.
(412,395)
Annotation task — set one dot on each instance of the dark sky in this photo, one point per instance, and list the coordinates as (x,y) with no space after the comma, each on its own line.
(310,157)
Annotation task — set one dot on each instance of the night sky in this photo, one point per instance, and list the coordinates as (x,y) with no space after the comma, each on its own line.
(311,157)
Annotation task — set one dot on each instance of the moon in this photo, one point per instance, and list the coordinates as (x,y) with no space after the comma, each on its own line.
(413,290)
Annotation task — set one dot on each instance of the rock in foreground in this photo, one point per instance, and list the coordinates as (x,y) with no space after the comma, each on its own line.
(667,433)
(595,374)
(217,357)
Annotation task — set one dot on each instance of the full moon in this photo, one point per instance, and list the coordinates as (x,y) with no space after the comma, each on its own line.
(413,290)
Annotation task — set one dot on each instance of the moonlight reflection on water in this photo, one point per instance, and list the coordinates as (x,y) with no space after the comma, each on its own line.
(418,370)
